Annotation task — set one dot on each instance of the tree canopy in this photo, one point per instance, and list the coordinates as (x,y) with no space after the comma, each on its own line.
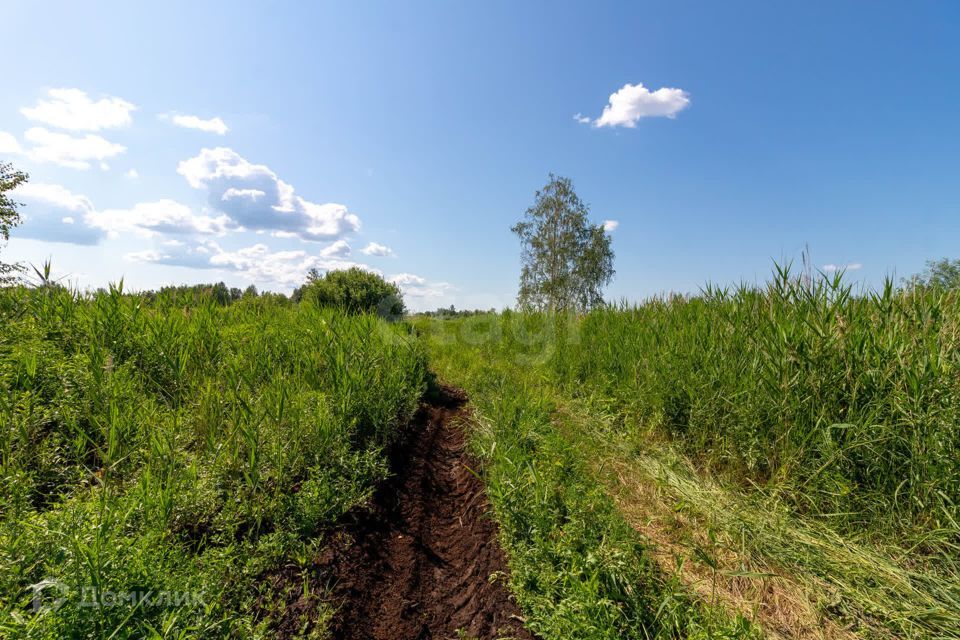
(941,274)
(566,260)
(10,179)
(352,290)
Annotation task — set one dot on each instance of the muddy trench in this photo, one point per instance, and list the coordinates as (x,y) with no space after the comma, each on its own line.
(423,561)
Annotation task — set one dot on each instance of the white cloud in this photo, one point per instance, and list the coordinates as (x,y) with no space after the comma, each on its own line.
(147,219)
(257,199)
(257,262)
(72,109)
(69,151)
(635,101)
(417,287)
(56,195)
(147,255)
(50,213)
(403,279)
(131,174)
(197,256)
(339,249)
(8,143)
(831,268)
(582,119)
(610,225)
(225,163)
(48,207)
(211,125)
(376,249)
(253,194)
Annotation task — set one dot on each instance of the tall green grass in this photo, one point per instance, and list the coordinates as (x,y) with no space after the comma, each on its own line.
(817,428)
(846,404)
(577,568)
(161,455)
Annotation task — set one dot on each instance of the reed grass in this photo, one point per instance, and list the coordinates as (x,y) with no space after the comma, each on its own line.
(846,405)
(811,430)
(168,444)
(577,568)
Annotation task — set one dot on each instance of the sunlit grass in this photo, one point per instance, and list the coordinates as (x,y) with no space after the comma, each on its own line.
(846,405)
(807,430)
(168,444)
(577,568)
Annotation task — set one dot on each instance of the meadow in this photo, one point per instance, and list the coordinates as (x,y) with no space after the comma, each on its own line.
(773,461)
(787,453)
(162,455)
(846,405)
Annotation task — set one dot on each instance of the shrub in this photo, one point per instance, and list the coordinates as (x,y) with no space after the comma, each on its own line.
(353,291)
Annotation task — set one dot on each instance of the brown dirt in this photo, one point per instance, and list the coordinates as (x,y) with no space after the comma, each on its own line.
(424,561)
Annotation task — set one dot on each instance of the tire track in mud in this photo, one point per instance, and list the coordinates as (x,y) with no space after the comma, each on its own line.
(424,561)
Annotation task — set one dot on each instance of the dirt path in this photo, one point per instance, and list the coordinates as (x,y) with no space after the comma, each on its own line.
(419,564)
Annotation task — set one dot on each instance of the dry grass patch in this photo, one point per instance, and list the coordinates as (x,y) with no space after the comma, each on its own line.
(685,543)
(793,577)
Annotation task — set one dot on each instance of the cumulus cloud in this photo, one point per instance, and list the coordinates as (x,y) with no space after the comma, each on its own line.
(210,125)
(610,225)
(406,279)
(193,257)
(832,268)
(253,194)
(339,249)
(131,174)
(376,249)
(414,286)
(257,262)
(260,264)
(147,255)
(148,219)
(50,212)
(8,143)
(72,109)
(54,194)
(256,198)
(67,150)
(634,101)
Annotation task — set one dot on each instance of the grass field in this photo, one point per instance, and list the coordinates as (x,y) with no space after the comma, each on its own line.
(577,568)
(780,462)
(161,455)
(787,454)
(846,405)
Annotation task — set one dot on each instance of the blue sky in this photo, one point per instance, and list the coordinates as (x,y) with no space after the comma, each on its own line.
(739,132)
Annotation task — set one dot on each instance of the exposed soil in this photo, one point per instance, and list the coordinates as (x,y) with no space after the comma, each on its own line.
(424,561)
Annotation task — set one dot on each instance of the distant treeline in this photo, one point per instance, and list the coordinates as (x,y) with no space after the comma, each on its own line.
(452,312)
(218,292)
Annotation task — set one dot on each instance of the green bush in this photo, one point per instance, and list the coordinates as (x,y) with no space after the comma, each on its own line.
(353,291)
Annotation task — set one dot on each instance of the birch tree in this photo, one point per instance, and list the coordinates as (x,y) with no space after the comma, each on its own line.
(566,261)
